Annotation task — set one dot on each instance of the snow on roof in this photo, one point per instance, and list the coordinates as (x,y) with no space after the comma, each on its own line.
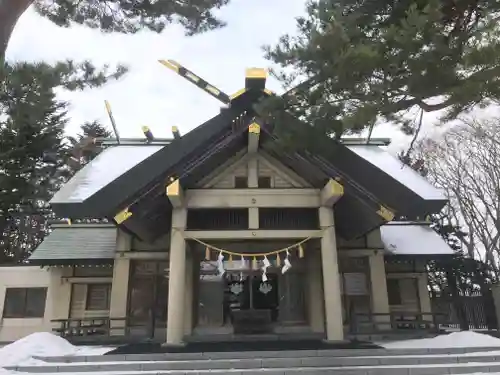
(413,239)
(395,168)
(104,169)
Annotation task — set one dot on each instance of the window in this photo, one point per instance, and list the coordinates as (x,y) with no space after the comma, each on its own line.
(98,296)
(265,182)
(394,292)
(240,182)
(24,302)
(93,272)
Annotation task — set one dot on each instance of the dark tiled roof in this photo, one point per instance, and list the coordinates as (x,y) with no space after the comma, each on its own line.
(77,242)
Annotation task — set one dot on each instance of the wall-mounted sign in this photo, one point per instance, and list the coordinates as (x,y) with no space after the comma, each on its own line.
(355,284)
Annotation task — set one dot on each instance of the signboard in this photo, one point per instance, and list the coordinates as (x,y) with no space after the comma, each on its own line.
(355,284)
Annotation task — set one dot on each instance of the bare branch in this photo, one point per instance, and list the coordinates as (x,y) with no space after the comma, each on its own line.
(465,163)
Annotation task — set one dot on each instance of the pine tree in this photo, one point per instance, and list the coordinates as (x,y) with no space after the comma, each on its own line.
(84,147)
(125,16)
(33,150)
(363,61)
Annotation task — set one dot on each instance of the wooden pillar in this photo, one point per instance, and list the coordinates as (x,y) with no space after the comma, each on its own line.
(188,302)
(120,284)
(315,292)
(331,277)
(379,294)
(177,279)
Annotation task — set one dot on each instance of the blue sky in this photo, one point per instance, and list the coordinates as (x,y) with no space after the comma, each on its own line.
(151,94)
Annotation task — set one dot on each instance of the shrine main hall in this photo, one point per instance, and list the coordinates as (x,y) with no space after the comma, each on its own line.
(223,233)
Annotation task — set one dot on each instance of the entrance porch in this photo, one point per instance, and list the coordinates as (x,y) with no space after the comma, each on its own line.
(240,306)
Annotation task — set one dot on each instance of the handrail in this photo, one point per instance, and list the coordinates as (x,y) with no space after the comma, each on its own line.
(91,326)
(395,321)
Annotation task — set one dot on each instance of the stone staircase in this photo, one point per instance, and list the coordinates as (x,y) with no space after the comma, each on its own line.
(341,362)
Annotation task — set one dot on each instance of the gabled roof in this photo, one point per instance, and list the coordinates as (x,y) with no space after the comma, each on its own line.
(371,177)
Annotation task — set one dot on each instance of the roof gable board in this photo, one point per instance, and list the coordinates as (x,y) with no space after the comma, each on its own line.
(223,177)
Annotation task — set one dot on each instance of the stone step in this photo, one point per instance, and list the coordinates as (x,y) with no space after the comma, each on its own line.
(268,354)
(266,363)
(362,370)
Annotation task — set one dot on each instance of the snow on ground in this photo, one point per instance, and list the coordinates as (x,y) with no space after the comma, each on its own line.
(21,352)
(45,344)
(465,339)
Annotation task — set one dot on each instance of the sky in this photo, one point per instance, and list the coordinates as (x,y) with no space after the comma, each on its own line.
(151,94)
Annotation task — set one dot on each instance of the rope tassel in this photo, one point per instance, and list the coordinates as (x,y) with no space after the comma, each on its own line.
(207,253)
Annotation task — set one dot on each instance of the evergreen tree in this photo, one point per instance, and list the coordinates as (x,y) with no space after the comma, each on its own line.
(125,16)
(84,147)
(33,150)
(361,61)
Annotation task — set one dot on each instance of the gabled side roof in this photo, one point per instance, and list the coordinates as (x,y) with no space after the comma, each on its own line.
(106,200)
(82,244)
(109,165)
(402,239)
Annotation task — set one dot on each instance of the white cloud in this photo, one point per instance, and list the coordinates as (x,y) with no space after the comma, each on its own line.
(150,94)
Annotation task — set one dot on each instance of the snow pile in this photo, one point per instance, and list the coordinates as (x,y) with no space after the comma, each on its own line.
(42,344)
(463,339)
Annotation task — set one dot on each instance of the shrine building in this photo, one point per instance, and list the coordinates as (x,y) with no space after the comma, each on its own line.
(223,233)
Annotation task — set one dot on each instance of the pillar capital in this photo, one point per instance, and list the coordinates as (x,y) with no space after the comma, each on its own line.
(331,193)
(175,194)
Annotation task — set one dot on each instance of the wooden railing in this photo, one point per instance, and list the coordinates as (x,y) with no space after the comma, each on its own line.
(105,329)
(394,322)
(98,326)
